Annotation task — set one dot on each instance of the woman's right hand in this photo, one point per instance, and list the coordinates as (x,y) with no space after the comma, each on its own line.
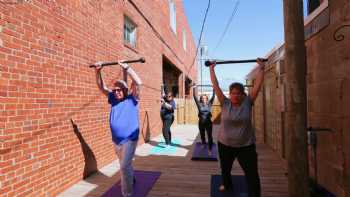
(98,66)
(212,64)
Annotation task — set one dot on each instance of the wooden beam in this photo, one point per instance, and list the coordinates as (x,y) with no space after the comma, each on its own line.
(295,61)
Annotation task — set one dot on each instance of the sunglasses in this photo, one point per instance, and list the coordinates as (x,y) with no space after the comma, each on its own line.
(117,90)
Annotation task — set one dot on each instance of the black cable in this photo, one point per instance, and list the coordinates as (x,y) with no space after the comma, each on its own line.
(227,25)
(200,37)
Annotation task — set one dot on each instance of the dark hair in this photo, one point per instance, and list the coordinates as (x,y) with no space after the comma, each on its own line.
(166,96)
(237,86)
(201,98)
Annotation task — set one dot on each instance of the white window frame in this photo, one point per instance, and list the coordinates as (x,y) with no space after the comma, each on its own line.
(172,15)
(129,37)
(316,12)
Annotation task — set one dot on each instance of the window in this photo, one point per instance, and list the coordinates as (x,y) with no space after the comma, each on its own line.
(129,32)
(312,8)
(312,5)
(172,11)
(317,16)
(184,40)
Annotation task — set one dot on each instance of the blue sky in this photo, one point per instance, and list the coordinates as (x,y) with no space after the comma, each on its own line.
(256,28)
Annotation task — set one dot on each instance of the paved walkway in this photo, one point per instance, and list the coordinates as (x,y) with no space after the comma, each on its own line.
(180,175)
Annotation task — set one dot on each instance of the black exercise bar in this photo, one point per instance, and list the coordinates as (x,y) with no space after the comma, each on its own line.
(140,60)
(209,62)
(199,85)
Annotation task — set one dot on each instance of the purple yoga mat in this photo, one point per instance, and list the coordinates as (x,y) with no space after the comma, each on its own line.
(201,153)
(144,183)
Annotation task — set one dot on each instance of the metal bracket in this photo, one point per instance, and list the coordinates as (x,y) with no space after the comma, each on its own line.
(339,36)
(312,134)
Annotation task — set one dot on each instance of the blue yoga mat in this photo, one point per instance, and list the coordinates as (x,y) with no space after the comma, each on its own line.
(201,153)
(162,149)
(239,187)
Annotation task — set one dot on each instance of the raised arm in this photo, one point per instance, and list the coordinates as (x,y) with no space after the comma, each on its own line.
(211,101)
(214,81)
(136,81)
(99,80)
(195,95)
(167,105)
(258,80)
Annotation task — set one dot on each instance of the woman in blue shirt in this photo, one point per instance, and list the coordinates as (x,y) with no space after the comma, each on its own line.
(124,122)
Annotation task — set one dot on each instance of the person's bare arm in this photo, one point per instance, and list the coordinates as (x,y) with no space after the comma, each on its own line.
(99,79)
(211,101)
(258,80)
(136,81)
(167,105)
(214,81)
(195,96)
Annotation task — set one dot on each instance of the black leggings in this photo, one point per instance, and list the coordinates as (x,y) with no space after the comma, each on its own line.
(206,126)
(167,122)
(248,160)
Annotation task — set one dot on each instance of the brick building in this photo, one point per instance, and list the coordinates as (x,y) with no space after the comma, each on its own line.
(54,127)
(327,35)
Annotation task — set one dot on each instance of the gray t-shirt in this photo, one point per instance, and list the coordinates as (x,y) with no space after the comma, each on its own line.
(236,128)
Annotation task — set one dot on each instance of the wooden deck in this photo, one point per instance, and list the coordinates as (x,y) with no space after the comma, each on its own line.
(180,175)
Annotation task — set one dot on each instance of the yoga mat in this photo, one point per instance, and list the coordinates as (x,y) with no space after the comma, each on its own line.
(162,149)
(144,183)
(201,153)
(238,183)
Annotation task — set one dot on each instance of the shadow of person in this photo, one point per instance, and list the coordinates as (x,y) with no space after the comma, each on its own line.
(163,145)
(146,130)
(156,144)
(89,157)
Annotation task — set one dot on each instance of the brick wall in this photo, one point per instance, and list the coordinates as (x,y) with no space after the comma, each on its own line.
(328,99)
(45,50)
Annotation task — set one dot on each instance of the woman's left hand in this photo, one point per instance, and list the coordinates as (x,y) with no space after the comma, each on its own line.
(260,62)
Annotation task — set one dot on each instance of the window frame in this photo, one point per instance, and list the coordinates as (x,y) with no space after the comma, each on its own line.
(184,39)
(129,22)
(316,12)
(172,15)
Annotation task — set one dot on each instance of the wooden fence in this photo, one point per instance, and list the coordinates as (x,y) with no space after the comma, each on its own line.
(186,112)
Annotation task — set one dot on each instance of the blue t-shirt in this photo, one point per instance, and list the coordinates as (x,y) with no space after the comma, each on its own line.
(124,119)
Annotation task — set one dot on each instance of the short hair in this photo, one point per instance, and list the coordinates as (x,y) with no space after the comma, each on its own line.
(237,86)
(123,85)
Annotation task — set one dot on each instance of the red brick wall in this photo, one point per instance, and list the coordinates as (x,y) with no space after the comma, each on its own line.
(45,50)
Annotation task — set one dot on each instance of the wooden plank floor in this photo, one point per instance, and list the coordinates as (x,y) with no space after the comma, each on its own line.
(183,177)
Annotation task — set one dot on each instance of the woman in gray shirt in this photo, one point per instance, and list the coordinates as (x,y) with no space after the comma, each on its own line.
(236,138)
